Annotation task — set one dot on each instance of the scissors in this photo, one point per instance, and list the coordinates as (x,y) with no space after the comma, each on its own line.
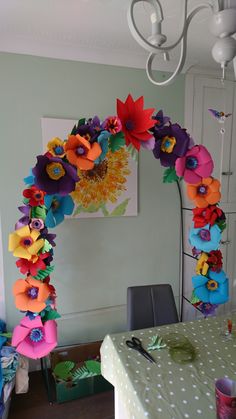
(136,344)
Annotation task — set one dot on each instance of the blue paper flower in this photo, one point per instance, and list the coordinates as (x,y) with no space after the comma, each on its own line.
(29,180)
(58,206)
(103,142)
(213,289)
(206,238)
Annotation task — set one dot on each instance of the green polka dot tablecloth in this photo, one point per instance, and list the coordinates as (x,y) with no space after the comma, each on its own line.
(168,389)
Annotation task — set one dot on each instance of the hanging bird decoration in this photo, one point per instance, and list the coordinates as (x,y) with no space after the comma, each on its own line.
(219,115)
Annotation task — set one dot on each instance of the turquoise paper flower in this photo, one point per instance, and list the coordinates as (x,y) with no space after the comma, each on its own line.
(206,238)
(58,206)
(103,142)
(213,289)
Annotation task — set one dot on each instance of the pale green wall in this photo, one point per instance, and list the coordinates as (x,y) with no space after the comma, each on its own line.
(96,259)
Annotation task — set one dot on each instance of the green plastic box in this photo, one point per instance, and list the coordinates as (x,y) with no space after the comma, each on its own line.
(86,386)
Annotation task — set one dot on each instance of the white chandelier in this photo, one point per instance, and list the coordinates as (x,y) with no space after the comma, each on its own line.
(222,25)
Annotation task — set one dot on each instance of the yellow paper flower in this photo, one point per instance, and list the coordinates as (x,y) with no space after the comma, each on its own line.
(202,265)
(24,244)
(105,182)
(56,147)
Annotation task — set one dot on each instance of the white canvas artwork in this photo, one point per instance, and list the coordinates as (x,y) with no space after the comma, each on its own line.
(108,190)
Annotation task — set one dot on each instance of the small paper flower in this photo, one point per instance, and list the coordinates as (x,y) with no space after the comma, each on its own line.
(50,237)
(34,339)
(213,289)
(30,294)
(54,176)
(36,224)
(160,120)
(210,215)
(205,239)
(56,147)
(195,165)
(204,193)
(215,260)
(23,221)
(58,206)
(135,121)
(81,152)
(95,124)
(35,196)
(33,265)
(89,131)
(202,265)
(171,143)
(24,242)
(112,124)
(207,309)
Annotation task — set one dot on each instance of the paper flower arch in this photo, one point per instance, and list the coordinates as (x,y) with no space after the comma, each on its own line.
(48,197)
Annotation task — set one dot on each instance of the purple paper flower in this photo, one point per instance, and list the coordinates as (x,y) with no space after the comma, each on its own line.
(95,123)
(23,221)
(54,176)
(171,142)
(207,309)
(161,120)
(149,144)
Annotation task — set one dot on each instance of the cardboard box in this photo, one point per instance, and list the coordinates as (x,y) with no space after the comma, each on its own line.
(86,386)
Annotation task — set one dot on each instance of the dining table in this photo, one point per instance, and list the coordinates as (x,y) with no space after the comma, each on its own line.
(168,388)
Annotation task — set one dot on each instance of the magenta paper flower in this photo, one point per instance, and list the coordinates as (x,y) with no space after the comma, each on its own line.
(34,339)
(195,165)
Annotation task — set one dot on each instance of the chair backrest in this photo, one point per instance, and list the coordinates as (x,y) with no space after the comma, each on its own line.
(150,305)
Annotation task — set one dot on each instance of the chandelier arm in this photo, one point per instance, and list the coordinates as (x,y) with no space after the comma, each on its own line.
(183,52)
(146,44)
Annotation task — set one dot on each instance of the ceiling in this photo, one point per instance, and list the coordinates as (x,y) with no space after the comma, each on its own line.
(97,31)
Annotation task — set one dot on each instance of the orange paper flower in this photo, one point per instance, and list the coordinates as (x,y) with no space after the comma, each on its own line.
(204,193)
(30,294)
(81,152)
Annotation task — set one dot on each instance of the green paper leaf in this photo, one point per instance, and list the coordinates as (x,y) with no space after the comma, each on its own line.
(51,315)
(104,210)
(81,373)
(116,141)
(25,201)
(78,210)
(93,366)
(194,299)
(222,225)
(63,369)
(120,209)
(39,212)
(47,246)
(43,273)
(81,122)
(170,175)
(133,152)
(7,335)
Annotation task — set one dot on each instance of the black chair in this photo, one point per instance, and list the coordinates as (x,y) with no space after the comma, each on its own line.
(150,305)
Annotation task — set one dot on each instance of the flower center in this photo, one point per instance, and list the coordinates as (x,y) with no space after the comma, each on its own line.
(36,335)
(58,150)
(212,285)
(129,125)
(33,292)
(55,170)
(191,163)
(167,144)
(26,241)
(202,190)
(38,195)
(205,234)
(36,224)
(80,151)
(87,136)
(98,173)
(55,204)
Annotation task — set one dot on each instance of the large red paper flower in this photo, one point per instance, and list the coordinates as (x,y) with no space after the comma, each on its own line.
(35,196)
(135,121)
(209,215)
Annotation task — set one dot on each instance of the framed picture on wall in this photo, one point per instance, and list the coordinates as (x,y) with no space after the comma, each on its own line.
(110,189)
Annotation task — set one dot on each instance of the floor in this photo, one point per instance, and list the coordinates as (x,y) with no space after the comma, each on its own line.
(34,404)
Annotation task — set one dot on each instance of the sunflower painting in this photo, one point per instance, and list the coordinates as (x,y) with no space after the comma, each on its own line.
(109,186)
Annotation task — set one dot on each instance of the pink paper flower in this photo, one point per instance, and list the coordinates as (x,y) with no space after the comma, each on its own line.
(195,165)
(34,339)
